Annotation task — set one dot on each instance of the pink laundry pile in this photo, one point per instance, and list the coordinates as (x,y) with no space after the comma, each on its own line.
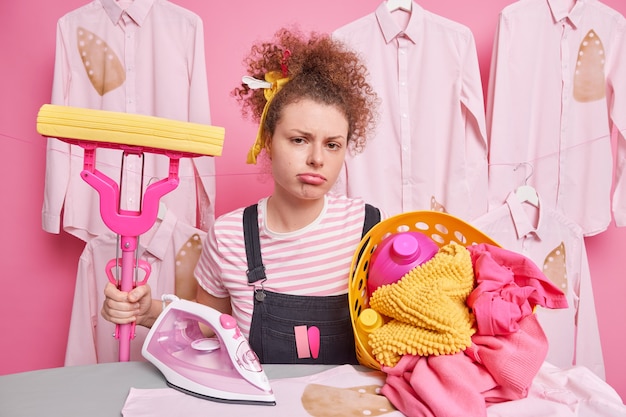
(507,349)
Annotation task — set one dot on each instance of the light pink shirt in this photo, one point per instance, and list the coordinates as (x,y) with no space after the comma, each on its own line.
(159,50)
(429,149)
(557,81)
(169,243)
(557,246)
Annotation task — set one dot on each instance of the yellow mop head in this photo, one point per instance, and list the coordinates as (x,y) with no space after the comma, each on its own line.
(66,122)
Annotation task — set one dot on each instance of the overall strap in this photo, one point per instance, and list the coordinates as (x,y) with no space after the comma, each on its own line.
(372,216)
(256,270)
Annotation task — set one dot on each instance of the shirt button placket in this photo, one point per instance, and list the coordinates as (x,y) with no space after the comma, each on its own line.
(405,121)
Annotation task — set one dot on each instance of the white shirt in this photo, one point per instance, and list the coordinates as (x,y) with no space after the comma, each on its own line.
(557,81)
(429,150)
(156,66)
(556,245)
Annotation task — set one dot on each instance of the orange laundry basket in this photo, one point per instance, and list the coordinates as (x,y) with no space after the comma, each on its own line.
(442,228)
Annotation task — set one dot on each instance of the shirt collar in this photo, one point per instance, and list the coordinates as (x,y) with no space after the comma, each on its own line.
(390,28)
(523,225)
(162,235)
(559,11)
(138,10)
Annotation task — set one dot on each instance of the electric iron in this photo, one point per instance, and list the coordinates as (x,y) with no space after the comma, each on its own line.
(221,368)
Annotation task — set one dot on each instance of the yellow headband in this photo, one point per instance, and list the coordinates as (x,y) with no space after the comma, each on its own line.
(274,81)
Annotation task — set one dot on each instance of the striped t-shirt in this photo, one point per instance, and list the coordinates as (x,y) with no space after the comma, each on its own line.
(312,261)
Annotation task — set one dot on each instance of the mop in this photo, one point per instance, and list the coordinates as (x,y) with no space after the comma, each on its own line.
(134,134)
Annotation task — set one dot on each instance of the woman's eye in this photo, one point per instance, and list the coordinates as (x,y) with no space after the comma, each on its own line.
(298,140)
(333,145)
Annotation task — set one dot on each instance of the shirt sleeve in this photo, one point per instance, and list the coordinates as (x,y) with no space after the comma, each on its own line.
(588,344)
(472,99)
(199,109)
(499,178)
(57,173)
(81,342)
(200,112)
(617,112)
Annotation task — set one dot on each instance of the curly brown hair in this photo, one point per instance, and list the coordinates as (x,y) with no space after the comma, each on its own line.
(320,69)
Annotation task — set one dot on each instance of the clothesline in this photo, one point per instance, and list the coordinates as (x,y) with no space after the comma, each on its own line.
(533,161)
(515,164)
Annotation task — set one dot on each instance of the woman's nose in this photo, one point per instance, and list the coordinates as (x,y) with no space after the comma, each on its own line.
(316,157)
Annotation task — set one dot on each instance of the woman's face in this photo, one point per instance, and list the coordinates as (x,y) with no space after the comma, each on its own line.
(308,149)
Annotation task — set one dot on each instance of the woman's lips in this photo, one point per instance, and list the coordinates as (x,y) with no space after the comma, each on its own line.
(312,179)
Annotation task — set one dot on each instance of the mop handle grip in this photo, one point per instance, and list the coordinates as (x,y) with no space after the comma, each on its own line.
(112,264)
(126,332)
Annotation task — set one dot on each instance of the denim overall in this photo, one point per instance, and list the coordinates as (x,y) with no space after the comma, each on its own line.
(275,315)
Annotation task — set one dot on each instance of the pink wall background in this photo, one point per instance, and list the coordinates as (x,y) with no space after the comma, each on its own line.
(38,270)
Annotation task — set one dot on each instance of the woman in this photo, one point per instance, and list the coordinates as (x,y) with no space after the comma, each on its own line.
(313,104)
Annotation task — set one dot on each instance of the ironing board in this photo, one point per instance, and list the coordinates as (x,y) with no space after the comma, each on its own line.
(103,390)
(134,135)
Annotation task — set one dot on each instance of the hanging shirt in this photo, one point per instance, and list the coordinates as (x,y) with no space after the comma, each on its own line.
(429,149)
(312,261)
(557,246)
(172,249)
(146,59)
(557,82)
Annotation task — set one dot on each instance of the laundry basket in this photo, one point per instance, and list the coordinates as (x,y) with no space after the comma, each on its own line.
(442,228)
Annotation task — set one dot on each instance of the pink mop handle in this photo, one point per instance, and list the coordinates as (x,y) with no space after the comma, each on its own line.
(128,224)
(126,284)
(124,331)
